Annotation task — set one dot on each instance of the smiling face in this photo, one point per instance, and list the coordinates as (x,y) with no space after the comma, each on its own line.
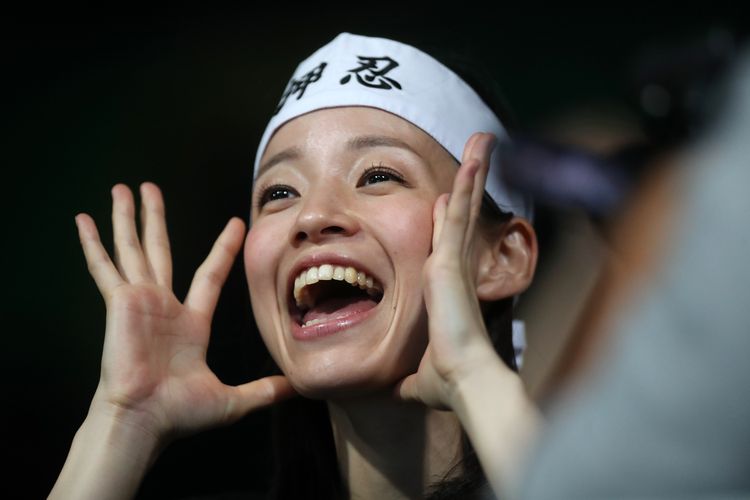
(341,228)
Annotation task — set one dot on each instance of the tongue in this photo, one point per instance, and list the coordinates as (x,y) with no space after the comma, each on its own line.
(338,307)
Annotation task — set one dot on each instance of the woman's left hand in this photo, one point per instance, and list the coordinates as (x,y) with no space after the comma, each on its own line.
(458,342)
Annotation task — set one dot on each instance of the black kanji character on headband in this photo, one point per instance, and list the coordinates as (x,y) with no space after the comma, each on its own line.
(298,86)
(371,73)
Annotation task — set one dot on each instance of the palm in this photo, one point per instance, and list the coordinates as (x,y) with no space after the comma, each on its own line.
(154,361)
(154,353)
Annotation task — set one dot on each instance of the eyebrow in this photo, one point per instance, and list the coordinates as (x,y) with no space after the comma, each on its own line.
(353,144)
(292,153)
(376,141)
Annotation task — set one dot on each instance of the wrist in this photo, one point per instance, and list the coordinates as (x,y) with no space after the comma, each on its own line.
(124,414)
(128,435)
(480,366)
(133,431)
(484,375)
(109,456)
(500,419)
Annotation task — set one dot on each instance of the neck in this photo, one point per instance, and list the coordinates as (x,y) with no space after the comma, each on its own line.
(390,449)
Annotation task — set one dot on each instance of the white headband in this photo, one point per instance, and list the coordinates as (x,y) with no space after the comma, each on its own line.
(355,70)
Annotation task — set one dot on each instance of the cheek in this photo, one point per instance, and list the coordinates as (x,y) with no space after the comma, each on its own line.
(409,241)
(261,253)
(409,230)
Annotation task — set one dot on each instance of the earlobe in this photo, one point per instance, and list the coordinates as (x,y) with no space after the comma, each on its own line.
(508,261)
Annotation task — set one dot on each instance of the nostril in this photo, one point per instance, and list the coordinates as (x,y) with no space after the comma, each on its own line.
(301,236)
(333,230)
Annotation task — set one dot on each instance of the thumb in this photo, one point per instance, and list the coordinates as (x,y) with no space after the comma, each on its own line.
(259,394)
(406,389)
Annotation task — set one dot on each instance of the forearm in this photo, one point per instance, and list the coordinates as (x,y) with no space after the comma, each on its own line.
(500,420)
(107,460)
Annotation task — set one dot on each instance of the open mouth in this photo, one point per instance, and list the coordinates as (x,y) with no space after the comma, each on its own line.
(329,293)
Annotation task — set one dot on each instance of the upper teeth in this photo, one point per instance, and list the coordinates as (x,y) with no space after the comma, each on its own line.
(328,272)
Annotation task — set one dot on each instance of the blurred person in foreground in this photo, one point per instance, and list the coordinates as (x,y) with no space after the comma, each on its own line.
(663,411)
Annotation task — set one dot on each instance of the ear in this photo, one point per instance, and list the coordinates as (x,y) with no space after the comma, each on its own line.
(507,260)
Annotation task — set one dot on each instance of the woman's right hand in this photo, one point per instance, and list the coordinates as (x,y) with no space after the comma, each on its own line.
(154,374)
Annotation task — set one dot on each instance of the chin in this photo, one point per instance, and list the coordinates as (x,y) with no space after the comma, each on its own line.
(337,390)
(347,378)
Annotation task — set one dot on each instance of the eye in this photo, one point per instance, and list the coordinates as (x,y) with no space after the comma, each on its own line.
(379,173)
(275,192)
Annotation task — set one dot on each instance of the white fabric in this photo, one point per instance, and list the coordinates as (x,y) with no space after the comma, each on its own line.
(354,70)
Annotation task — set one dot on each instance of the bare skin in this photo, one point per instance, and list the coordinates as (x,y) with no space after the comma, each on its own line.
(155,384)
(460,369)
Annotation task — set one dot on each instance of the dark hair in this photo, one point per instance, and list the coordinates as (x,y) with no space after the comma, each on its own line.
(304,450)
(475,73)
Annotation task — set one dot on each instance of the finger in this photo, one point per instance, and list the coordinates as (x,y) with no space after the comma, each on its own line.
(99,264)
(482,152)
(154,237)
(468,152)
(458,204)
(258,394)
(456,221)
(210,277)
(438,217)
(128,253)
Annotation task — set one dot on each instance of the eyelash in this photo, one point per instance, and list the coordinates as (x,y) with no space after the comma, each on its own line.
(267,191)
(381,169)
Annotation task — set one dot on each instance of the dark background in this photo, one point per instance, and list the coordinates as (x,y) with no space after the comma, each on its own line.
(180,97)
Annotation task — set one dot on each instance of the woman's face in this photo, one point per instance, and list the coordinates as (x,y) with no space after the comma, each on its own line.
(344,194)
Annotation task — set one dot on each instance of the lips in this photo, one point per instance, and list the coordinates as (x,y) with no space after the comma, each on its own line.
(327,294)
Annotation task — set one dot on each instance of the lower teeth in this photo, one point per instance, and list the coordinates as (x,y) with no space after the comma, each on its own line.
(313,322)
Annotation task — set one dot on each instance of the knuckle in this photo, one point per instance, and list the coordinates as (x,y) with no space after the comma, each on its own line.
(123,210)
(223,247)
(153,207)
(211,276)
(142,299)
(160,242)
(95,264)
(266,392)
(130,242)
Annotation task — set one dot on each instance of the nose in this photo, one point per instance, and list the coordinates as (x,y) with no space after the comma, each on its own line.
(325,213)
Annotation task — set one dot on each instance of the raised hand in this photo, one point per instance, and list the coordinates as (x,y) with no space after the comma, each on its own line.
(154,382)
(460,369)
(154,373)
(458,338)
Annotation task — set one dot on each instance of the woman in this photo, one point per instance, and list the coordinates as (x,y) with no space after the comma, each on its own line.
(367,282)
